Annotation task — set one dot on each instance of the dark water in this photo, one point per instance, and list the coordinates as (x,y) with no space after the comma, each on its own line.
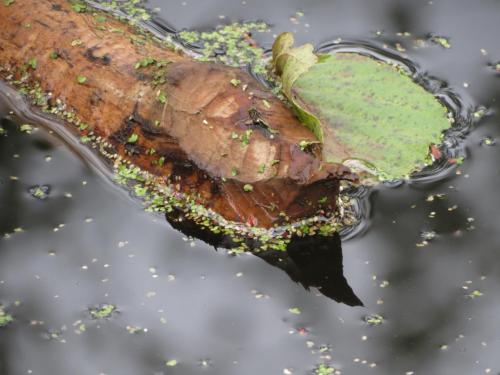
(87,243)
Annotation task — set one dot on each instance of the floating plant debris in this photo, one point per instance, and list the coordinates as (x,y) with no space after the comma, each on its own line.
(488,141)
(474,294)
(134,330)
(171,363)
(103,311)
(374,319)
(27,128)
(383,123)
(231,44)
(441,41)
(424,300)
(5,318)
(294,310)
(324,369)
(428,235)
(146,166)
(39,191)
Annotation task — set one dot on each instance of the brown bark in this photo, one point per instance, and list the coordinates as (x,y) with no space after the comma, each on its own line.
(200,131)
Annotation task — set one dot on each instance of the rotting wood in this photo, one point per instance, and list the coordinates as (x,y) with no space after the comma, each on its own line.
(233,148)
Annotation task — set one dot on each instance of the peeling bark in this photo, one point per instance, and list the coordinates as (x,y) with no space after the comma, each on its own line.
(215,138)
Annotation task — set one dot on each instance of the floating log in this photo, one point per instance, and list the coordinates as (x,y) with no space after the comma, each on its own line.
(211,132)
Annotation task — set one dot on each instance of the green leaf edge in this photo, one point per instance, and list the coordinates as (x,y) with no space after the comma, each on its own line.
(290,63)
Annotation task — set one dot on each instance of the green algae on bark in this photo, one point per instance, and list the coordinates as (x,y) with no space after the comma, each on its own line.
(162,198)
(366,112)
(241,237)
(137,157)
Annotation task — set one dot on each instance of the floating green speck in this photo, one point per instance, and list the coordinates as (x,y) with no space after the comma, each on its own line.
(442,41)
(26,128)
(171,363)
(324,369)
(103,311)
(374,319)
(5,318)
(294,310)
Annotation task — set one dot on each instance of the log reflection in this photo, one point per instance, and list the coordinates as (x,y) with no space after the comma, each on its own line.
(310,261)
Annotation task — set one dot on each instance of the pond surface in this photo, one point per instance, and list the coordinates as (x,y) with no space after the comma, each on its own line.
(384,302)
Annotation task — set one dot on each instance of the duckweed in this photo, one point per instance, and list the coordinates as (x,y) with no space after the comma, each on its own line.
(324,369)
(162,197)
(5,319)
(103,311)
(374,319)
(235,40)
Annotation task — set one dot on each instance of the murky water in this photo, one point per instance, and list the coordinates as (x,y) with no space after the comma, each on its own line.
(73,241)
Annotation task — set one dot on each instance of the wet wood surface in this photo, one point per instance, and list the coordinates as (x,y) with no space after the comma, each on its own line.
(211,131)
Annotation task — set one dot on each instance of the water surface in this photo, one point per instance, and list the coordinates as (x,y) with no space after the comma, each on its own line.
(88,243)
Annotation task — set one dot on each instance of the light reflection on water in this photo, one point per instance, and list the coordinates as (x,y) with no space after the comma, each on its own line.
(89,243)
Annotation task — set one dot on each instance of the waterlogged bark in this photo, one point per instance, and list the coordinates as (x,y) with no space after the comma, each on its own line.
(211,131)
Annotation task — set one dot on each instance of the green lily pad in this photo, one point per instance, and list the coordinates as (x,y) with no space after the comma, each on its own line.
(366,112)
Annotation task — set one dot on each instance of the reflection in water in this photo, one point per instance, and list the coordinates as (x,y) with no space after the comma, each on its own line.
(202,309)
(310,261)
(316,262)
